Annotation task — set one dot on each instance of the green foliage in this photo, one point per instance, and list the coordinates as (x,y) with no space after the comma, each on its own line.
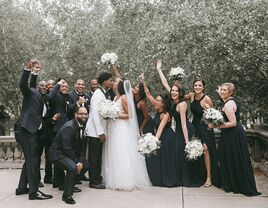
(218,40)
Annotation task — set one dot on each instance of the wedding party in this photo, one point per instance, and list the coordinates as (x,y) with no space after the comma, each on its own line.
(143,103)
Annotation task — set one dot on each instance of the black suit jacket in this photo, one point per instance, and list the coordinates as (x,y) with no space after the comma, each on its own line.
(74,97)
(68,143)
(32,104)
(59,103)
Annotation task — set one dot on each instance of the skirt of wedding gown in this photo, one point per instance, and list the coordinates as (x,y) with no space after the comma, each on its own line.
(123,168)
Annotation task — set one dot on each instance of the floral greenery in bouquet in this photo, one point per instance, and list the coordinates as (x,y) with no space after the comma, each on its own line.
(193,149)
(148,144)
(213,116)
(109,109)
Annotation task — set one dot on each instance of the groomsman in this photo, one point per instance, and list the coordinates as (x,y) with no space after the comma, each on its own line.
(68,152)
(59,102)
(96,129)
(92,86)
(78,98)
(29,122)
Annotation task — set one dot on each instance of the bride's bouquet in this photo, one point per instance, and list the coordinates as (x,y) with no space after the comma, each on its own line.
(109,109)
(109,58)
(148,144)
(213,116)
(193,149)
(177,73)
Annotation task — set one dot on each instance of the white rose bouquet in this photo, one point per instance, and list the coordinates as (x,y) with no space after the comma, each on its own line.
(109,109)
(177,73)
(213,116)
(193,149)
(148,144)
(109,58)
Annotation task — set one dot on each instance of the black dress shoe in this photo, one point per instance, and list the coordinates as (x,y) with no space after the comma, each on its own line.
(61,187)
(68,199)
(84,178)
(55,185)
(20,191)
(40,184)
(75,190)
(48,181)
(78,182)
(97,186)
(39,196)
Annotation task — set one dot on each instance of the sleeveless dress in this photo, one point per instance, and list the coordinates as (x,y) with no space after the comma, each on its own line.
(188,171)
(207,136)
(123,168)
(162,167)
(235,166)
(149,128)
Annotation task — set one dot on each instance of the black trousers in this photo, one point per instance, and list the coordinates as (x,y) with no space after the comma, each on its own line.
(30,169)
(95,159)
(71,175)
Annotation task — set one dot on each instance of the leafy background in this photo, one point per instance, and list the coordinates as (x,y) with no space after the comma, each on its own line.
(216,39)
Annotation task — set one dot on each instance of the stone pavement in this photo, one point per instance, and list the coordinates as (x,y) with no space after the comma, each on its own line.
(153,197)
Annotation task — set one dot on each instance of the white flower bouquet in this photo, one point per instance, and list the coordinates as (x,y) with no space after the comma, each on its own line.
(177,73)
(193,149)
(109,109)
(213,116)
(148,144)
(109,58)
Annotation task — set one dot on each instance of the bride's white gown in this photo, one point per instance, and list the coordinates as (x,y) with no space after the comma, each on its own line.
(123,167)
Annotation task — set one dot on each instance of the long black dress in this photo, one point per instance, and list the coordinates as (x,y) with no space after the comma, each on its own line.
(188,171)
(161,167)
(149,128)
(235,166)
(207,136)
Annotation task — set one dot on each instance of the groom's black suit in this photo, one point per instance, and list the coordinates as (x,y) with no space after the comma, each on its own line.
(67,149)
(26,128)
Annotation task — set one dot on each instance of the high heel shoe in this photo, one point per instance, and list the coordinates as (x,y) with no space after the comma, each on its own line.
(208,184)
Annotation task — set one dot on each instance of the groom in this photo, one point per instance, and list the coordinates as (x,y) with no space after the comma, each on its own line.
(96,129)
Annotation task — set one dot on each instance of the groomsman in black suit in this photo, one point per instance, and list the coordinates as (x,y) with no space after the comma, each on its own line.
(78,98)
(26,128)
(68,152)
(92,86)
(59,103)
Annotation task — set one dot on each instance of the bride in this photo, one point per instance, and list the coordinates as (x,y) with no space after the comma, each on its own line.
(123,168)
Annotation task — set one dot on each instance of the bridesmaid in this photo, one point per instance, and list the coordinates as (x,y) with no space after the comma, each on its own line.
(162,167)
(144,119)
(199,103)
(236,170)
(189,173)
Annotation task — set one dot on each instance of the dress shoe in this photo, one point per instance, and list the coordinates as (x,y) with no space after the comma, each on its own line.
(68,199)
(39,196)
(20,191)
(55,185)
(75,190)
(79,182)
(61,187)
(97,186)
(48,181)
(84,178)
(40,184)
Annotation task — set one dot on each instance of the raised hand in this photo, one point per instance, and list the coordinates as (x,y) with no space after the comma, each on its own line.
(31,64)
(158,65)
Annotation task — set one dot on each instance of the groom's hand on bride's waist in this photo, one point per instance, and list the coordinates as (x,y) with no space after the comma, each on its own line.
(102,138)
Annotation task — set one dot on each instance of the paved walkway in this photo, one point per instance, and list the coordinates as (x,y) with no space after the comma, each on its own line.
(152,197)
